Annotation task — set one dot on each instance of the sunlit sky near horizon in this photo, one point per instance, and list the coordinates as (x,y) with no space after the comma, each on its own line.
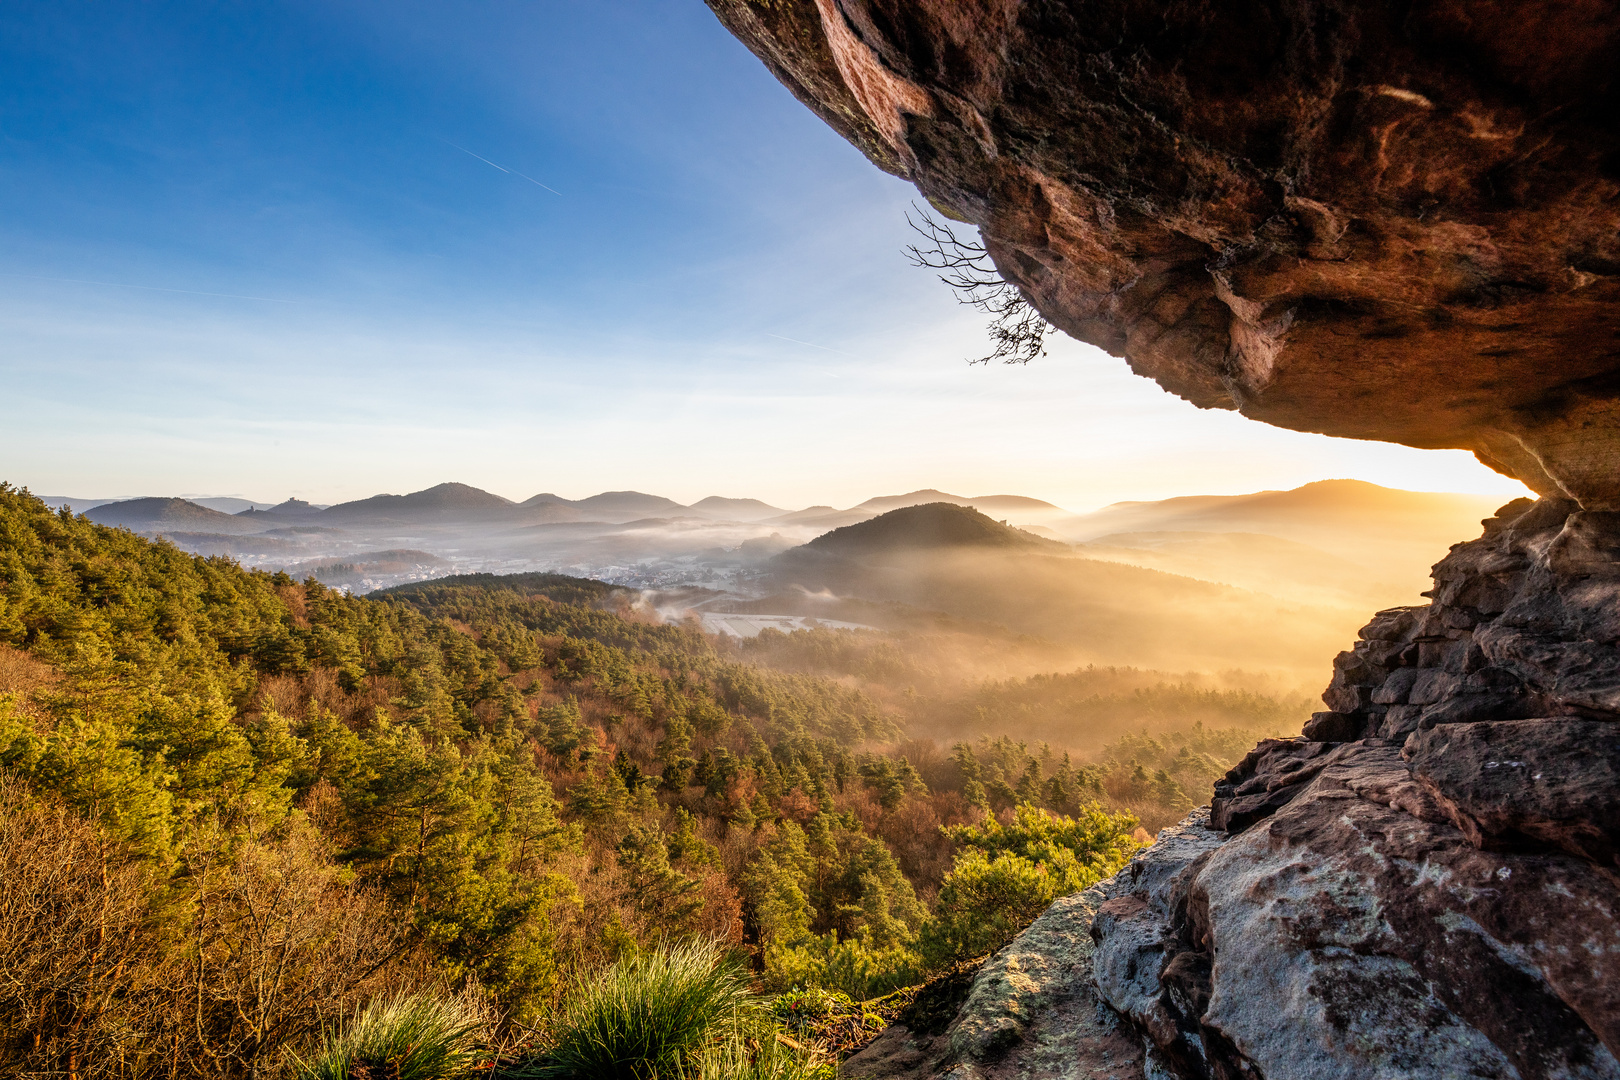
(333,249)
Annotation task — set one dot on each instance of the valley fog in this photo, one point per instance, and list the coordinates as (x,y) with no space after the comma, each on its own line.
(967,618)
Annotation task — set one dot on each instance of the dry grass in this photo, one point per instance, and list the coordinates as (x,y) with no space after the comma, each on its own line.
(23,676)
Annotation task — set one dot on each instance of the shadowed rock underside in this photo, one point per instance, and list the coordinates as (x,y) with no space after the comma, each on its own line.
(1382,220)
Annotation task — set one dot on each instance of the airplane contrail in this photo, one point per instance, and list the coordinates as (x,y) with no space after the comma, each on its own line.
(813,345)
(537,183)
(503,168)
(151,288)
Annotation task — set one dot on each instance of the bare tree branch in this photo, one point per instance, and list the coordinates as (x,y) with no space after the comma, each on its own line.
(1016,329)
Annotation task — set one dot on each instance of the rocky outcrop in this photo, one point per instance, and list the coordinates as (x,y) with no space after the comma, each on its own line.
(1384,220)
(1504,694)
(1033,1009)
(1426,883)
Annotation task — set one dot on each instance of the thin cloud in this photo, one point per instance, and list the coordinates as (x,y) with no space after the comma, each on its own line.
(151,288)
(503,168)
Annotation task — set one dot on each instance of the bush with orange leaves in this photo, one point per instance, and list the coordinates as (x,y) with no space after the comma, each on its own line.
(217,967)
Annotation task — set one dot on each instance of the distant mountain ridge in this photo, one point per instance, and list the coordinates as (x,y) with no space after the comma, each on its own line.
(1396,533)
(983,503)
(450,502)
(1361,536)
(1343,500)
(1311,507)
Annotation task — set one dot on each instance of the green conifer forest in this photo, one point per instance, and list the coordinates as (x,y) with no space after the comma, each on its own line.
(237,811)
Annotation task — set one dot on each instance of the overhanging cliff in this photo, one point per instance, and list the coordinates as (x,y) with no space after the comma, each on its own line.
(1392,221)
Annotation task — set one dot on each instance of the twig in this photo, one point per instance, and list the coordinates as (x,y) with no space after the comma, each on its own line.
(1016,329)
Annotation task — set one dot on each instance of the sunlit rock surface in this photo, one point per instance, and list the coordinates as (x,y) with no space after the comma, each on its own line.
(1032,1011)
(1376,220)
(1424,885)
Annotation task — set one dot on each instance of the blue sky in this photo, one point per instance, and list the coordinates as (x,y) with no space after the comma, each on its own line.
(332,249)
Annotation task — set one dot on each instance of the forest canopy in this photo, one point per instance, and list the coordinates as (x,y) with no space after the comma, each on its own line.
(497,786)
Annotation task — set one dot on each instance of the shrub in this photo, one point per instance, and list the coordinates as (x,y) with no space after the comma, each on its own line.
(406,1037)
(111,966)
(81,956)
(984,903)
(1008,874)
(854,967)
(1100,842)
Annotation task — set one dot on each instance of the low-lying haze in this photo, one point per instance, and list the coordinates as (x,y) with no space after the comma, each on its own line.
(1272,581)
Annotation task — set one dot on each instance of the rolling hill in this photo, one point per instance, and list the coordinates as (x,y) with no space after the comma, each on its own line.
(622,506)
(284,513)
(1018,510)
(988,504)
(930,526)
(955,560)
(1270,564)
(442,503)
(735,509)
(229,504)
(1328,514)
(152,515)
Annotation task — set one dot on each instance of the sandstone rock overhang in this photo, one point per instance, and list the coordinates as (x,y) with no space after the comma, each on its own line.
(1380,220)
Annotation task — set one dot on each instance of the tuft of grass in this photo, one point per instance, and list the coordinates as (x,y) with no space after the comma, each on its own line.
(678,1012)
(767,1055)
(406,1037)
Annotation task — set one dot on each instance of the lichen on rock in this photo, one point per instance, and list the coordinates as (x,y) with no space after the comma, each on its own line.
(1031,1011)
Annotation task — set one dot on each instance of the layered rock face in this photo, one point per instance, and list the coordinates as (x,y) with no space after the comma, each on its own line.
(1383,220)
(1426,884)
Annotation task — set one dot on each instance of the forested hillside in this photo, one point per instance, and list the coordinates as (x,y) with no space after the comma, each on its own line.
(235,806)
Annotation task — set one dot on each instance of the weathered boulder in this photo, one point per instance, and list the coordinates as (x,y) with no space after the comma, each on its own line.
(1552,781)
(1144,968)
(1350,938)
(1383,220)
